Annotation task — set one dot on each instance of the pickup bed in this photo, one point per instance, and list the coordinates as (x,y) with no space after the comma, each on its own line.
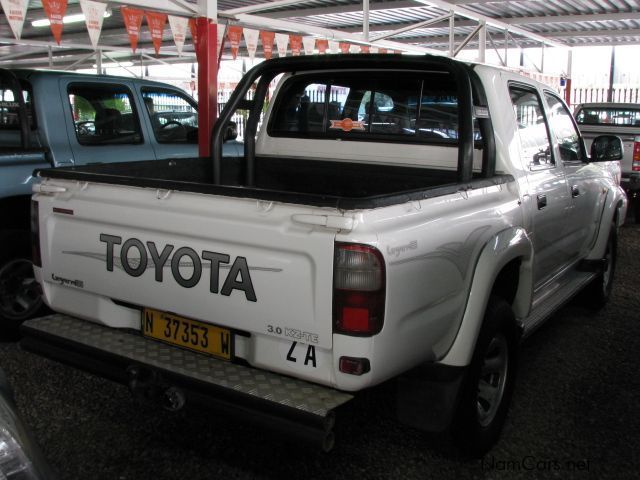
(56,119)
(414,225)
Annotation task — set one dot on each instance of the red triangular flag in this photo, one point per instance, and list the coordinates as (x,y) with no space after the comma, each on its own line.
(132,21)
(55,10)
(234,34)
(156,22)
(267,42)
(296,44)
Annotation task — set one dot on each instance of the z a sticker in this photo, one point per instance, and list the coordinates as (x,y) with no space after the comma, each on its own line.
(346,125)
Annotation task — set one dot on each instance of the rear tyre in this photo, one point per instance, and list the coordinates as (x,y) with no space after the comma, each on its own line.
(488,387)
(598,292)
(20,295)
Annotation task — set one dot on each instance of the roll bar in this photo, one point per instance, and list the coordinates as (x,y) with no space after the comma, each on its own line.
(267,70)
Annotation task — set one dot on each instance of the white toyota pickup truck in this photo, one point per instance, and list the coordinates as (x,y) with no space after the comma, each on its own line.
(393,217)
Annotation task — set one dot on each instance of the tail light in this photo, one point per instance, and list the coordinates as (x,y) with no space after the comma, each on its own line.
(35,234)
(635,166)
(359,290)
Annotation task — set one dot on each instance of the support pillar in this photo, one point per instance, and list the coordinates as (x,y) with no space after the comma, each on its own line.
(567,85)
(207,57)
(482,42)
(612,73)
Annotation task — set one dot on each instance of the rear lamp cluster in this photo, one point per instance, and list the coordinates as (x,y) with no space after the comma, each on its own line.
(636,156)
(359,290)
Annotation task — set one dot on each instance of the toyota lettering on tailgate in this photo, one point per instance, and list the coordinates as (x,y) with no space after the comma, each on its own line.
(149,255)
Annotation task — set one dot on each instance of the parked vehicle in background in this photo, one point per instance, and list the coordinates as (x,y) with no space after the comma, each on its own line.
(55,119)
(62,119)
(412,226)
(20,456)
(623,120)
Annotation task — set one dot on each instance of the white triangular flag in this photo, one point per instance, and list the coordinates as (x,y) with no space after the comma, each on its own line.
(179,30)
(373,50)
(94,16)
(309,45)
(334,46)
(222,30)
(282,41)
(251,39)
(16,12)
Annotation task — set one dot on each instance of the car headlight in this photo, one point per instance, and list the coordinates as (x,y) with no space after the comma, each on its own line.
(14,464)
(20,458)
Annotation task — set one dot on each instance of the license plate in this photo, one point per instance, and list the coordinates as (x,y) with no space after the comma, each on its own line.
(184,332)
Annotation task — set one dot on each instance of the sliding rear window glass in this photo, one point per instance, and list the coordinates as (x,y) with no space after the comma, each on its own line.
(620,117)
(387,106)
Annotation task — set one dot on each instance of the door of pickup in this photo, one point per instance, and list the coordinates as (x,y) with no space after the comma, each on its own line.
(549,195)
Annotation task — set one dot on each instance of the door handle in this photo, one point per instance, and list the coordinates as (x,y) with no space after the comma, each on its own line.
(542,201)
(575,191)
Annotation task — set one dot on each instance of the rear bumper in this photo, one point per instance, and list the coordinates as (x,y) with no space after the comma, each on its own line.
(286,404)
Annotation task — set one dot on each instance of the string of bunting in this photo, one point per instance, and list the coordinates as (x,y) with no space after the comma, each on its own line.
(94,12)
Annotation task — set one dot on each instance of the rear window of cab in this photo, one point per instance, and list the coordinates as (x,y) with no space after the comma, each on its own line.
(389,106)
(612,116)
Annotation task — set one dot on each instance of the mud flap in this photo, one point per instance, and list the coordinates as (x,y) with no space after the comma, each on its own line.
(427,396)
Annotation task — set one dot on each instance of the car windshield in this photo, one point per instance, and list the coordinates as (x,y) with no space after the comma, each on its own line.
(618,116)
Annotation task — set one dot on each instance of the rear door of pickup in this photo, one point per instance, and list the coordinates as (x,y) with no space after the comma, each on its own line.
(104,120)
(241,264)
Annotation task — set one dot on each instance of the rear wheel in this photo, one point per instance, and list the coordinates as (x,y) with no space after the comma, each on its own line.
(488,386)
(20,297)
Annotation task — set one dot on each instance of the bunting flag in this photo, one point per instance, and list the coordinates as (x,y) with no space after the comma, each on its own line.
(364,48)
(234,34)
(322,45)
(267,43)
(282,41)
(251,40)
(221,30)
(15,11)
(55,10)
(94,16)
(344,47)
(309,45)
(354,49)
(132,21)
(382,50)
(156,22)
(296,44)
(373,49)
(334,47)
(178,30)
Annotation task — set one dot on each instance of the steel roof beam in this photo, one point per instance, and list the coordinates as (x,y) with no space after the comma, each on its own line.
(315,11)
(464,12)
(596,17)
(84,46)
(331,34)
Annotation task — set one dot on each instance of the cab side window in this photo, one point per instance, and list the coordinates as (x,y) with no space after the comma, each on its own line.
(104,114)
(173,117)
(535,146)
(563,129)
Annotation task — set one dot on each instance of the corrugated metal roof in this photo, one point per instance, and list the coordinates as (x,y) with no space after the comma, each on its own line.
(570,22)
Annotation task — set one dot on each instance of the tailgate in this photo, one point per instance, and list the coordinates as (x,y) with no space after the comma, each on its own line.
(237,263)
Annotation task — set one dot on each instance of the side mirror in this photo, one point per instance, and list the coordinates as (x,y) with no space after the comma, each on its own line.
(231,132)
(606,148)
